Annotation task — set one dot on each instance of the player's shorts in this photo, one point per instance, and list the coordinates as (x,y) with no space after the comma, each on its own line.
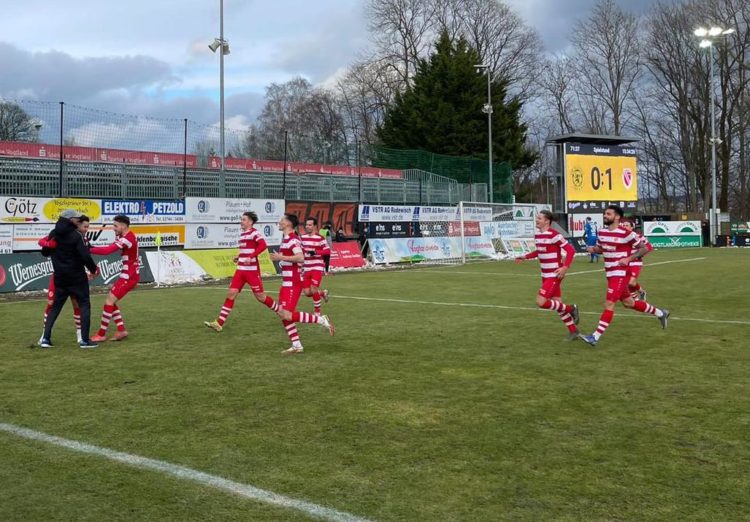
(635,271)
(250,278)
(551,287)
(617,289)
(289,297)
(312,278)
(122,286)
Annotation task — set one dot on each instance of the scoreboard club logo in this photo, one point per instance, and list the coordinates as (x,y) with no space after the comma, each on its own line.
(627,178)
(577,178)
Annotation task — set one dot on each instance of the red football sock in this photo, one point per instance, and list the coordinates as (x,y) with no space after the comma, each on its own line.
(604,320)
(224,312)
(304,317)
(270,303)
(644,307)
(106,318)
(291,331)
(117,317)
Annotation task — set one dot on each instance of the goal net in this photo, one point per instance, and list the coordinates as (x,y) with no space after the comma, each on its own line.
(447,235)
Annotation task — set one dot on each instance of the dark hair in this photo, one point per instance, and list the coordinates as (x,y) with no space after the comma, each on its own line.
(618,210)
(549,215)
(293,219)
(627,221)
(85,218)
(314,220)
(252,216)
(125,220)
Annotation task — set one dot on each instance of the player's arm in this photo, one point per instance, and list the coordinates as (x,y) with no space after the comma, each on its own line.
(298,256)
(531,255)
(106,250)
(323,248)
(639,250)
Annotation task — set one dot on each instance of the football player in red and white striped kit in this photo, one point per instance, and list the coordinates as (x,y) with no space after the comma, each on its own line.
(252,244)
(636,266)
(315,248)
(550,245)
(291,257)
(48,243)
(619,247)
(127,244)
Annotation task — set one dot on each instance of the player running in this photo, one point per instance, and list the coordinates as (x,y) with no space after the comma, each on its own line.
(252,245)
(636,266)
(550,245)
(291,257)
(127,243)
(315,248)
(620,247)
(49,243)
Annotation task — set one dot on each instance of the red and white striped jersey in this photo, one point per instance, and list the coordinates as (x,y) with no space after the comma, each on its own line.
(290,272)
(642,242)
(550,245)
(128,245)
(131,266)
(315,247)
(616,244)
(252,243)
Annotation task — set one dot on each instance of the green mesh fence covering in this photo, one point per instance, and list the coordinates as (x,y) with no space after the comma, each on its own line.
(464,169)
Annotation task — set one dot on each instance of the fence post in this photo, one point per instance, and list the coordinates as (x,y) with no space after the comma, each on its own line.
(62,119)
(184,163)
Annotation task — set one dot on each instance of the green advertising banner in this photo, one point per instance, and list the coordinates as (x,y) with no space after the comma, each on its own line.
(676,241)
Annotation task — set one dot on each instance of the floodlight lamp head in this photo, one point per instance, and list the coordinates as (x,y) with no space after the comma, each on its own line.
(727,31)
(701,32)
(715,31)
(225,48)
(214,45)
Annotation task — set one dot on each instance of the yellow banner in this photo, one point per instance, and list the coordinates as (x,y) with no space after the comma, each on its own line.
(219,263)
(600,178)
(171,235)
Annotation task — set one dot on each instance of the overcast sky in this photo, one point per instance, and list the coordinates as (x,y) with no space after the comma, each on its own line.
(151,57)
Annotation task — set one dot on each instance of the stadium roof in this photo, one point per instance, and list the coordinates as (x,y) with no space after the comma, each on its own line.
(594,139)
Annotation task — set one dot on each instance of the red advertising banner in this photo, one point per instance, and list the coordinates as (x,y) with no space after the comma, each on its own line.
(295,168)
(341,215)
(471,228)
(346,255)
(92,154)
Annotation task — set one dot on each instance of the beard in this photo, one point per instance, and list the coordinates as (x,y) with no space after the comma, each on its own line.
(608,222)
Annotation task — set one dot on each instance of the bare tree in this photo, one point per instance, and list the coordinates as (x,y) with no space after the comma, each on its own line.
(557,83)
(608,59)
(16,124)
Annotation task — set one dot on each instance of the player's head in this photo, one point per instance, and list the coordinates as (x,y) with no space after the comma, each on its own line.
(627,223)
(289,222)
(613,214)
(544,219)
(311,225)
(248,220)
(121,224)
(83,223)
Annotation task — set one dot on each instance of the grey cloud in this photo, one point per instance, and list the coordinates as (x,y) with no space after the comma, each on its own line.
(60,76)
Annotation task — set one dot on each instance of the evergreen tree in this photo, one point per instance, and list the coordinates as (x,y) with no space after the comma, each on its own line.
(441,111)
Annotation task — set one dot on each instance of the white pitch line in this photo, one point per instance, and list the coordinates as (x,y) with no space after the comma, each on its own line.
(182,472)
(521,308)
(647,265)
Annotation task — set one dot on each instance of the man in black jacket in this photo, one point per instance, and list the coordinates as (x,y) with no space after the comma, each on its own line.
(70,259)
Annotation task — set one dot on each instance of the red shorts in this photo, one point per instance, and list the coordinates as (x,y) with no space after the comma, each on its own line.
(250,278)
(122,286)
(312,278)
(289,297)
(617,289)
(635,271)
(551,287)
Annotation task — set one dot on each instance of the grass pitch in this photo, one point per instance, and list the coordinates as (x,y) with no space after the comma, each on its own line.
(444,396)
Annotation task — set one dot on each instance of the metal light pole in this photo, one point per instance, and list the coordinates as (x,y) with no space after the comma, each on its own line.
(220,42)
(709,37)
(488,109)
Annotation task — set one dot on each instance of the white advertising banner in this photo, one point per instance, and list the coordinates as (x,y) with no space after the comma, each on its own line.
(507,229)
(220,210)
(391,213)
(210,236)
(412,250)
(21,210)
(6,239)
(672,228)
(26,237)
(171,267)
(144,210)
